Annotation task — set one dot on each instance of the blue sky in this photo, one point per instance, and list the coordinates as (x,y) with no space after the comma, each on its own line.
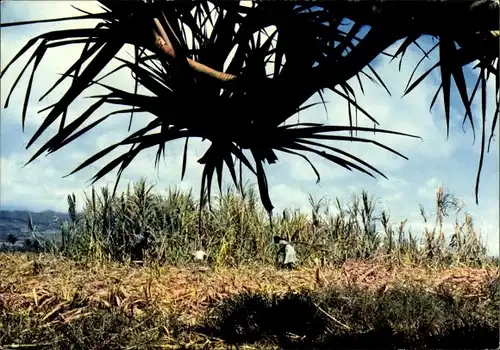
(432,161)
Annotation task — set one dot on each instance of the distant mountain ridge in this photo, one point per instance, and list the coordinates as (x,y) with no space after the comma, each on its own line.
(15,222)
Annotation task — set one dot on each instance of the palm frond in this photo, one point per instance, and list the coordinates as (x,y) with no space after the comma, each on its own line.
(240,103)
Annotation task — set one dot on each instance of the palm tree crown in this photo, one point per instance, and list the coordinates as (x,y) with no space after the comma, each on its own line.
(237,108)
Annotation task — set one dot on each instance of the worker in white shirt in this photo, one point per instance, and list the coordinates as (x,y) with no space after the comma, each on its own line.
(286,255)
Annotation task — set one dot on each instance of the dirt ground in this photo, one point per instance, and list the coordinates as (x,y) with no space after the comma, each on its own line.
(53,284)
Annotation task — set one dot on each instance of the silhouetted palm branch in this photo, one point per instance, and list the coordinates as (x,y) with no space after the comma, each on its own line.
(243,108)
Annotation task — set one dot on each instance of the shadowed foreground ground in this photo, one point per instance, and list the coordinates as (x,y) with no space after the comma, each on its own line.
(51,302)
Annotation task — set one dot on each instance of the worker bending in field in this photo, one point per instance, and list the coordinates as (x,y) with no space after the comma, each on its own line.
(287,258)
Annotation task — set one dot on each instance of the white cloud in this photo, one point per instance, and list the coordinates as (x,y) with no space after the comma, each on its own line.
(286,194)
(428,190)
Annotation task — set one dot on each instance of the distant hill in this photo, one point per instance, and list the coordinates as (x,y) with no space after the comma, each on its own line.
(16,222)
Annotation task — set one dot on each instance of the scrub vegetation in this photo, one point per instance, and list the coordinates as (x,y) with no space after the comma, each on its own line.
(121,275)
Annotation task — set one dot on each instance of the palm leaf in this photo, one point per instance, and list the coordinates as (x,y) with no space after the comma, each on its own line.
(244,108)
